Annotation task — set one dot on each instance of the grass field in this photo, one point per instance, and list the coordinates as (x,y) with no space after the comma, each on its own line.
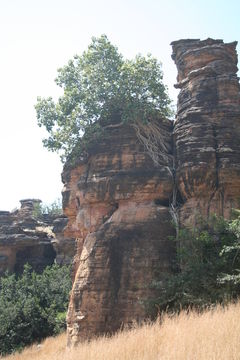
(213,335)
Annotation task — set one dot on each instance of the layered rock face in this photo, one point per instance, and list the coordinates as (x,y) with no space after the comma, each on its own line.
(117,204)
(25,239)
(64,246)
(117,198)
(207,128)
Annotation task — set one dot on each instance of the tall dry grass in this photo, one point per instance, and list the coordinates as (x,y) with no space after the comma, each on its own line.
(213,335)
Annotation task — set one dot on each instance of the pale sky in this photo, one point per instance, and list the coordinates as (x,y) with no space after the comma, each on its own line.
(39,36)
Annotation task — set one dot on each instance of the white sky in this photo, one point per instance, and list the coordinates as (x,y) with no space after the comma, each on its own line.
(39,36)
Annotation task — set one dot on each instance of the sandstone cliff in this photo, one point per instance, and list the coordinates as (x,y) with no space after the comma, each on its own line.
(207,128)
(64,247)
(121,198)
(25,239)
(117,204)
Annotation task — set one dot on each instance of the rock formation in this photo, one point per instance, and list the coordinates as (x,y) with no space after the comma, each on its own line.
(117,197)
(116,200)
(121,197)
(64,246)
(207,128)
(23,239)
(26,239)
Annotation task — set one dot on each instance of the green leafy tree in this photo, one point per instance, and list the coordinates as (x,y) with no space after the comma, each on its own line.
(100,86)
(32,306)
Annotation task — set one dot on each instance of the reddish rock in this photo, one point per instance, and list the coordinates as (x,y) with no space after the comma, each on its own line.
(26,238)
(63,246)
(117,203)
(117,197)
(207,128)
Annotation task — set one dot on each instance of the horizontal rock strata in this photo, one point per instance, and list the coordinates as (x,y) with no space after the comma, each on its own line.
(117,204)
(207,128)
(117,197)
(24,238)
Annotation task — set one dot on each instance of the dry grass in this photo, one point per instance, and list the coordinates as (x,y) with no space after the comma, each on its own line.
(213,335)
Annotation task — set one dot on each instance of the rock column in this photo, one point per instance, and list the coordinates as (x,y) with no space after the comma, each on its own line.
(207,128)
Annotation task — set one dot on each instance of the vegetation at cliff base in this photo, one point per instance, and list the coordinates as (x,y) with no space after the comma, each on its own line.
(101,86)
(190,335)
(32,306)
(207,268)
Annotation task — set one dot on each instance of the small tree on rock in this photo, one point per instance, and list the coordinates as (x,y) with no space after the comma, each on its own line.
(99,87)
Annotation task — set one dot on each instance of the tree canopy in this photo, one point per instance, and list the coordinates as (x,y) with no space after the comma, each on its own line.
(101,85)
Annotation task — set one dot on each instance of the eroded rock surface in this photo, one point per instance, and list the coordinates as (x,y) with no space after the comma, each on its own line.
(26,239)
(63,246)
(116,200)
(207,127)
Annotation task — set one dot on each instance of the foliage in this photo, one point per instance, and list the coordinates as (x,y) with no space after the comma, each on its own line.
(233,250)
(100,86)
(32,306)
(53,209)
(207,267)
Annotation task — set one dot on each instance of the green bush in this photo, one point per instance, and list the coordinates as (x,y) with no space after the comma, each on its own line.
(206,270)
(32,306)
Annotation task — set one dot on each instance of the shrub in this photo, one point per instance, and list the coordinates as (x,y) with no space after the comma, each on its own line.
(32,306)
(207,268)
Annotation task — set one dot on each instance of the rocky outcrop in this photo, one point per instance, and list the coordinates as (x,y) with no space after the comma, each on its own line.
(207,128)
(117,197)
(63,246)
(26,239)
(116,200)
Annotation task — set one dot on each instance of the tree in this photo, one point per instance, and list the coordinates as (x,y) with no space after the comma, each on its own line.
(99,87)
